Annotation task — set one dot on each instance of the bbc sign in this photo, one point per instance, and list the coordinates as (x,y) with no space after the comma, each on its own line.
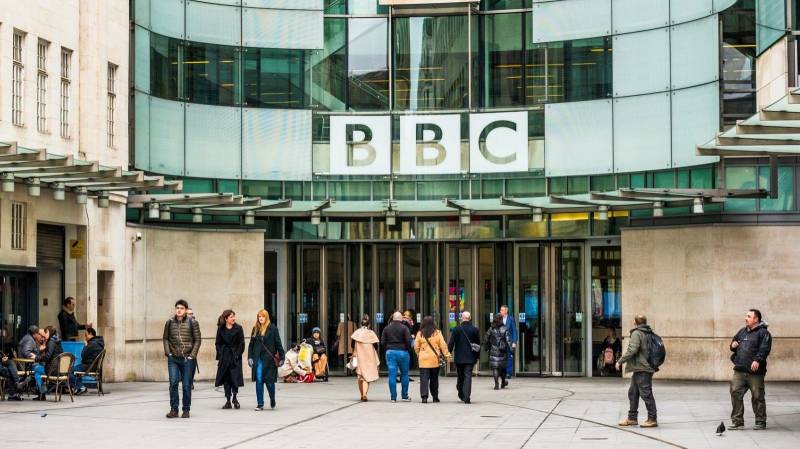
(429,144)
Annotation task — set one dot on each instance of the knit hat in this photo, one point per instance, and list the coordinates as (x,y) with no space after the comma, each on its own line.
(315,330)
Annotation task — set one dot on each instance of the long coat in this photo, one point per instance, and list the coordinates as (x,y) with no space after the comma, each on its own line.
(429,356)
(498,342)
(259,345)
(364,351)
(230,346)
(461,338)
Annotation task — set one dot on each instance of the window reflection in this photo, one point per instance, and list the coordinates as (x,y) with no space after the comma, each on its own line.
(209,73)
(273,77)
(164,67)
(367,71)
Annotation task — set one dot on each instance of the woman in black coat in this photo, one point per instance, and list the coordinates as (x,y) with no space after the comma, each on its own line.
(498,342)
(264,355)
(230,346)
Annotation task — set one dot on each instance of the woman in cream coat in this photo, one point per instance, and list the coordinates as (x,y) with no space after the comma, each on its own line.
(430,348)
(365,356)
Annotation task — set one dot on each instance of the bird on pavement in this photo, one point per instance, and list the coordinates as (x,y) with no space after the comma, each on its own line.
(721,429)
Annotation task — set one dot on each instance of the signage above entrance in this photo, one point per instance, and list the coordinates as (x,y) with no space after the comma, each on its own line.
(429,144)
(422,2)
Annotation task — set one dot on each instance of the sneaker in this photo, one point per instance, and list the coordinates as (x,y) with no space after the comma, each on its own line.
(259,408)
(650,423)
(408,399)
(628,422)
(172,414)
(760,427)
(737,426)
(394,401)
(185,414)
(81,391)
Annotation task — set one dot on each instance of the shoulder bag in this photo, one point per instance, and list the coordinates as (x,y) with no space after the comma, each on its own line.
(275,358)
(439,356)
(474,346)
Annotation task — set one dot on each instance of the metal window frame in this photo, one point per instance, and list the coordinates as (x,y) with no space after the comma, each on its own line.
(18,225)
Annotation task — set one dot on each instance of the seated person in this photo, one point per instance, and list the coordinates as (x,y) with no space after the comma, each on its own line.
(319,358)
(94,346)
(45,358)
(291,370)
(8,371)
(29,345)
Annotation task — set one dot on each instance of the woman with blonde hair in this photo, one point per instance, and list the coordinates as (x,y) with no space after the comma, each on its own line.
(264,356)
(364,360)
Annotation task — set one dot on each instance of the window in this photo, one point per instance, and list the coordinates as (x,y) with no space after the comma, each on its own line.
(41,85)
(273,78)
(111,103)
(17,225)
(210,71)
(367,64)
(164,66)
(17,79)
(328,68)
(66,68)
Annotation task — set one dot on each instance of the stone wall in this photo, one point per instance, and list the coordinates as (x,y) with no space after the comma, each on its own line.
(213,270)
(696,283)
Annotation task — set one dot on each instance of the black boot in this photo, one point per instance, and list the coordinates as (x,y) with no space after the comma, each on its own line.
(235,401)
(227,403)
(503,381)
(496,376)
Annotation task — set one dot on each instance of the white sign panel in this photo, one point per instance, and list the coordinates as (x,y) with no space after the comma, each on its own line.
(498,142)
(430,144)
(360,145)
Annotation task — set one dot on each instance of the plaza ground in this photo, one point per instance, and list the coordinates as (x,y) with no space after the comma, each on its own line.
(531,413)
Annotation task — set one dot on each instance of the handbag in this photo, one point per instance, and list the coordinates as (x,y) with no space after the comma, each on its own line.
(275,358)
(442,360)
(352,364)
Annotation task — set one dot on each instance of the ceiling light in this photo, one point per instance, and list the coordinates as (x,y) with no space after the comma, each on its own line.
(602,213)
(102,199)
(58,191)
(658,209)
(8,182)
(697,206)
(34,187)
(249,218)
(81,195)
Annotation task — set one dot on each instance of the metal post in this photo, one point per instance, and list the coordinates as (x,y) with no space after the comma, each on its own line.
(773,176)
(469,57)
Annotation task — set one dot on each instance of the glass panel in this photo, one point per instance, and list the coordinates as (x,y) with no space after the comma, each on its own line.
(695,120)
(293,27)
(642,132)
(487,5)
(578,184)
(701,64)
(228,186)
(579,138)
(785,200)
(503,60)
(213,141)
(404,190)
(348,230)
(302,229)
(430,273)
(270,190)
(434,190)
(166,136)
(459,283)
(526,228)
(269,135)
(637,15)
(349,190)
(434,230)
(686,10)
(365,7)
(606,307)
(293,268)
(492,188)
(141,154)
(488,304)
(771,23)
(683,179)
(273,78)
(412,288)
(740,177)
(320,189)
(634,74)
(380,190)
(310,287)
(328,67)
(192,185)
(569,312)
(531,338)
(558,186)
(367,70)
(386,300)
(569,225)
(404,229)
(603,183)
(210,71)
(664,179)
(141,53)
(431,62)
(336,302)
(526,188)
(167,17)
(481,227)
(218,24)
(335,6)
(164,67)
(575,19)
(271,284)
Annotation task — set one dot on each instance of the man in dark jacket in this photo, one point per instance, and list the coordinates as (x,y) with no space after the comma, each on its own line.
(8,371)
(396,341)
(67,321)
(750,348)
(635,361)
(45,358)
(94,346)
(460,345)
(181,345)
(29,346)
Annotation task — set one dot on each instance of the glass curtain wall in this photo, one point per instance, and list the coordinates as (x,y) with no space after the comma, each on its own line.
(211,71)
(368,63)
(328,85)
(273,78)
(164,57)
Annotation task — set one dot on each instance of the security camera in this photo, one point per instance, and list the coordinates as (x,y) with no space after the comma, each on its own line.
(138,237)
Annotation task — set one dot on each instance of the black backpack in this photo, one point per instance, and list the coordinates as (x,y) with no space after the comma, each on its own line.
(656,352)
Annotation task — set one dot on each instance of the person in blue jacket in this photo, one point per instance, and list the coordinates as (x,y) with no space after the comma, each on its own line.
(508,322)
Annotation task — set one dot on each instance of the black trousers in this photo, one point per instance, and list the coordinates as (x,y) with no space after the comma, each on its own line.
(229,384)
(642,386)
(9,371)
(429,376)
(464,381)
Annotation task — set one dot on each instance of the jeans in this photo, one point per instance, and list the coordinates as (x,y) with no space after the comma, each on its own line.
(510,364)
(642,386)
(429,376)
(260,385)
(39,371)
(464,380)
(9,371)
(79,380)
(395,359)
(740,383)
(181,370)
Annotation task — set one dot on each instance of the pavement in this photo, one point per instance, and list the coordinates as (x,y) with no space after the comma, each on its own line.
(531,413)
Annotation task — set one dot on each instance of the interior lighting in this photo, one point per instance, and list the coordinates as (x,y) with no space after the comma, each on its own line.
(249,218)
(602,213)
(102,200)
(658,209)
(58,191)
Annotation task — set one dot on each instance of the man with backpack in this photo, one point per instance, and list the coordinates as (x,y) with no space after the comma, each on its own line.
(643,347)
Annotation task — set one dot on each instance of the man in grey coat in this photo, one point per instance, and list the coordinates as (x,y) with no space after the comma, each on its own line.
(635,361)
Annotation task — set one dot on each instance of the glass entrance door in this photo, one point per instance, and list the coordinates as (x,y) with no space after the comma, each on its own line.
(531,341)
(569,314)
(310,281)
(336,303)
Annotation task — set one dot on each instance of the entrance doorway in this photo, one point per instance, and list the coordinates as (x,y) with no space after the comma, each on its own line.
(18,308)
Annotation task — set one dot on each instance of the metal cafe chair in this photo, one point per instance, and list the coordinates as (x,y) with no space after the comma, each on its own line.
(95,370)
(60,368)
